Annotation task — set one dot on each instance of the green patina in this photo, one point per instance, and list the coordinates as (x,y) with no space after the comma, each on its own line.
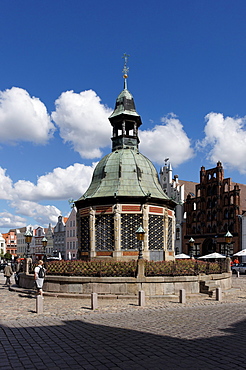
(125,172)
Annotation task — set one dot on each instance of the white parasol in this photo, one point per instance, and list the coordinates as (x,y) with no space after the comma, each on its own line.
(240,253)
(182,255)
(212,255)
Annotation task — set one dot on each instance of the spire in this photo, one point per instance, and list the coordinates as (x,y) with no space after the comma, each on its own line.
(124,119)
(125,70)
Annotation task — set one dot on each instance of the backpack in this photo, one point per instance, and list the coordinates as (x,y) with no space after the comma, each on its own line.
(41,272)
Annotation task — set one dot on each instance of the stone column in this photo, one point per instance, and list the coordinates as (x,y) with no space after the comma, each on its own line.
(145,211)
(92,217)
(117,253)
(165,236)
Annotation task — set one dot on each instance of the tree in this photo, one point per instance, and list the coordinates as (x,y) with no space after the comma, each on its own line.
(8,256)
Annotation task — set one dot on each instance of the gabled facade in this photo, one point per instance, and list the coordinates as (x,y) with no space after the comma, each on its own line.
(71,236)
(10,241)
(214,210)
(49,250)
(59,237)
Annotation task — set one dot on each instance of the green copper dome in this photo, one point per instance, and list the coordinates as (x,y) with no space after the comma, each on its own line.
(125,173)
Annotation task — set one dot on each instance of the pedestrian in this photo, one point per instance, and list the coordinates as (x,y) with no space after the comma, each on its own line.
(39,273)
(8,273)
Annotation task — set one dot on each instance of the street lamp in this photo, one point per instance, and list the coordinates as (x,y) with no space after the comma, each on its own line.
(191,244)
(44,243)
(228,240)
(28,237)
(140,236)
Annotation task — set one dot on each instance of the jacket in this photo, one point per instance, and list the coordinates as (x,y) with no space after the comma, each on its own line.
(8,271)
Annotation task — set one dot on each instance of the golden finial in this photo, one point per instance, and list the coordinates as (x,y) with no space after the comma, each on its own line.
(125,69)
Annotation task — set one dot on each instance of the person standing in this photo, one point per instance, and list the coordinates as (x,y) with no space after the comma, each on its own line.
(8,273)
(39,273)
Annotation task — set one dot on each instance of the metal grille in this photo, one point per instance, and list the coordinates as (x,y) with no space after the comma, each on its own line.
(104,232)
(156,232)
(170,233)
(129,225)
(85,237)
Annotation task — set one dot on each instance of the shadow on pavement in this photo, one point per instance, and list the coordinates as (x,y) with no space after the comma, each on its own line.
(78,344)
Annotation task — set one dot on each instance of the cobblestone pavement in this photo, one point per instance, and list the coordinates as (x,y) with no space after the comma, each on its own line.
(201,334)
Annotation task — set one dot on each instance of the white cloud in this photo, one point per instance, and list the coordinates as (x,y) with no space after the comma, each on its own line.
(62,183)
(42,214)
(225,140)
(83,122)
(8,220)
(166,140)
(23,118)
(6,188)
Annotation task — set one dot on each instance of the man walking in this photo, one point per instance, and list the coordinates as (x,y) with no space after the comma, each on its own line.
(8,273)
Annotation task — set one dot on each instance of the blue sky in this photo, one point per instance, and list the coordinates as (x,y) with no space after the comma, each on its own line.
(61,72)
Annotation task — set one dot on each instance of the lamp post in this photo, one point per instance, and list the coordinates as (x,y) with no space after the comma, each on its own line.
(228,240)
(140,236)
(191,244)
(44,243)
(28,237)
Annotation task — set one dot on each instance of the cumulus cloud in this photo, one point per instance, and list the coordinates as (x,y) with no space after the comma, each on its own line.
(83,122)
(42,214)
(23,118)
(166,140)
(6,186)
(62,183)
(8,220)
(225,140)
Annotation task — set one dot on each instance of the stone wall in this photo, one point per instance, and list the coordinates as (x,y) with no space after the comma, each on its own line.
(153,286)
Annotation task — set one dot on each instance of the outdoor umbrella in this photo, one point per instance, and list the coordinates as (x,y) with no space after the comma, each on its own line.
(212,255)
(240,253)
(182,255)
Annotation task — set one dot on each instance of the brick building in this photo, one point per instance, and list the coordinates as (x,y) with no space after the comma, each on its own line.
(213,209)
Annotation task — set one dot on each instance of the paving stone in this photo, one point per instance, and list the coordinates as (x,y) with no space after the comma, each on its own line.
(201,334)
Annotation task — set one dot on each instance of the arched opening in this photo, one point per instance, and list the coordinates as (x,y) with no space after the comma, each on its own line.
(208,246)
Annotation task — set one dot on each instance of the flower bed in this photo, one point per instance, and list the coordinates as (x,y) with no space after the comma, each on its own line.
(129,269)
(92,268)
(183,268)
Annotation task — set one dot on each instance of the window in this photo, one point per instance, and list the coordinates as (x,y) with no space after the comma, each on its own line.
(178,233)
(226,213)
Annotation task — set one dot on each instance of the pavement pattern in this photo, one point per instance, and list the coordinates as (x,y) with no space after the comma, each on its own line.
(201,334)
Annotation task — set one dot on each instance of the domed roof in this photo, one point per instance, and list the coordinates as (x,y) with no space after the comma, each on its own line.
(125,173)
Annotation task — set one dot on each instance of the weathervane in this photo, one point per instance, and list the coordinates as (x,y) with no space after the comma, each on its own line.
(125,69)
